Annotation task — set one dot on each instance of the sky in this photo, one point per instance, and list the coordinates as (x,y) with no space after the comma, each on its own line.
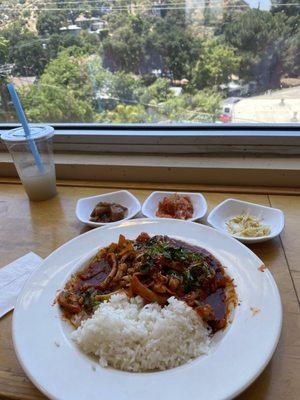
(264,4)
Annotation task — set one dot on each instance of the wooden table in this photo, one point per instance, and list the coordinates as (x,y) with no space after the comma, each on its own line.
(42,227)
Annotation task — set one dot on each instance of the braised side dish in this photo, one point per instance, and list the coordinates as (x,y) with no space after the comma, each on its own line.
(154,268)
(108,212)
(175,206)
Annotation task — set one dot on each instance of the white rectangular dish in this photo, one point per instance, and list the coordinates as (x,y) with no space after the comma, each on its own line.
(86,205)
(272,217)
(150,206)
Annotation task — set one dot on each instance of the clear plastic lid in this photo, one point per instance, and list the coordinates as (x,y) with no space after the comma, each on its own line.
(36,132)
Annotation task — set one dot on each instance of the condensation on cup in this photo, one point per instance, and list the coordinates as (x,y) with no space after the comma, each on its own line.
(39,184)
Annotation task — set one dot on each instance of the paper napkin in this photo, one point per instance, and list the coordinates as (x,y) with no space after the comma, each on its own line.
(13,277)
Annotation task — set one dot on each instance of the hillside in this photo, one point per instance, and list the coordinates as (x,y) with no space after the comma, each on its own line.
(198,12)
(14,10)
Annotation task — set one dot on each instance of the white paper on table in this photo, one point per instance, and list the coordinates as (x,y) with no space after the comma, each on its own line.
(13,277)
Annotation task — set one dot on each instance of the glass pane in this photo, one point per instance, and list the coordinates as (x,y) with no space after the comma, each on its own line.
(152,61)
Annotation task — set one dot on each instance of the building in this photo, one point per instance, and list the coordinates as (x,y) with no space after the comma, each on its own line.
(98,26)
(72,29)
(84,22)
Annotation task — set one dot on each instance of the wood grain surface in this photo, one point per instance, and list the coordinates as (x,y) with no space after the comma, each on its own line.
(42,227)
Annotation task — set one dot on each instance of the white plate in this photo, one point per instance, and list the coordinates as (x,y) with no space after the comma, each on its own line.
(238,354)
(273,217)
(86,205)
(150,205)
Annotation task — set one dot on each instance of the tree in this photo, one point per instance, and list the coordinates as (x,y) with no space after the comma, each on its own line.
(3,50)
(4,97)
(25,50)
(208,102)
(253,29)
(127,114)
(156,93)
(172,14)
(139,45)
(69,70)
(289,7)
(55,104)
(112,88)
(291,62)
(26,14)
(64,92)
(57,42)
(125,87)
(259,38)
(206,12)
(89,44)
(215,65)
(125,50)
(49,22)
(202,107)
(175,46)
(71,10)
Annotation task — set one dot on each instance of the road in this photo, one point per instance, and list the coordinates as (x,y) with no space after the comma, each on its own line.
(278,106)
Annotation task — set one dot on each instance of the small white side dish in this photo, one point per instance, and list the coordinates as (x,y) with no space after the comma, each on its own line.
(86,205)
(272,217)
(150,205)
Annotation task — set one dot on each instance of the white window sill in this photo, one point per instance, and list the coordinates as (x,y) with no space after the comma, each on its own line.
(258,139)
(212,170)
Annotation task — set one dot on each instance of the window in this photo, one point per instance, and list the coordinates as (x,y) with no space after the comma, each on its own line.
(152,61)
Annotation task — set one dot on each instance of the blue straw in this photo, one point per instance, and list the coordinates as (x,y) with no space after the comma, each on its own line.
(23,120)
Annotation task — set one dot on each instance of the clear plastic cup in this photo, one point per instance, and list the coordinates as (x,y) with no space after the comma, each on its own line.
(39,184)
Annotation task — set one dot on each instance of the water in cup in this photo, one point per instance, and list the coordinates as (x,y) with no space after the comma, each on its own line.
(39,181)
(39,186)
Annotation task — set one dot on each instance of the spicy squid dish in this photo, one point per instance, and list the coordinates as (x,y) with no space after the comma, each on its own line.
(148,304)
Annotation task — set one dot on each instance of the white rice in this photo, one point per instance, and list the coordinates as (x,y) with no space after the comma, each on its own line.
(127,335)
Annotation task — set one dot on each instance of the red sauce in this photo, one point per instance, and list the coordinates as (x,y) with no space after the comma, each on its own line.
(154,268)
(175,206)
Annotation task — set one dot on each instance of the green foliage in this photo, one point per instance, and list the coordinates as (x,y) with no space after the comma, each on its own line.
(110,77)
(64,70)
(63,93)
(58,42)
(49,22)
(176,47)
(125,49)
(156,93)
(6,112)
(3,50)
(289,7)
(253,29)
(55,103)
(139,45)
(174,15)
(25,50)
(127,114)
(88,44)
(26,14)
(124,87)
(70,10)
(215,65)
(204,106)
(111,89)
(259,38)
(291,62)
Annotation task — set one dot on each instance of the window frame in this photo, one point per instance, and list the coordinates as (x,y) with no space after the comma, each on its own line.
(174,139)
